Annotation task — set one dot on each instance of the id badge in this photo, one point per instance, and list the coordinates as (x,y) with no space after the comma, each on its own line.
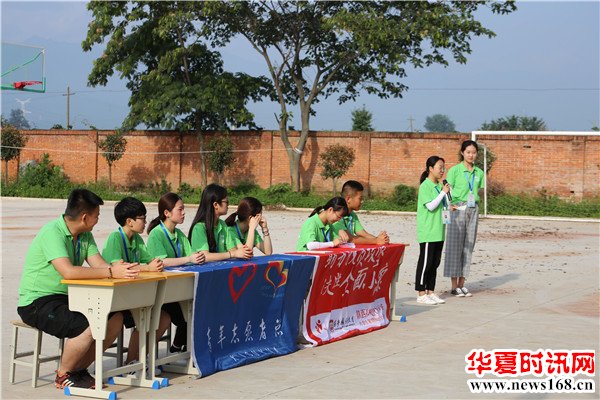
(445,216)
(471,200)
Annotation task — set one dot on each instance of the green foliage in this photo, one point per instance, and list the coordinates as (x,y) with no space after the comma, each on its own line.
(314,50)
(57,126)
(362,120)
(113,147)
(176,79)
(157,189)
(12,141)
(44,180)
(439,123)
(595,128)
(515,123)
(244,187)
(335,161)
(491,157)
(543,205)
(278,189)
(405,196)
(221,154)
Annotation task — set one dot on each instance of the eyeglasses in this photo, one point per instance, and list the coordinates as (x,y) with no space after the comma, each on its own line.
(142,218)
(225,201)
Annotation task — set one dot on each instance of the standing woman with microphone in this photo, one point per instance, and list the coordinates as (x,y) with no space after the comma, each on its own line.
(465,180)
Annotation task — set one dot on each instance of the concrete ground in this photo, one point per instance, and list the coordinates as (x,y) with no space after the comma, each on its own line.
(535,285)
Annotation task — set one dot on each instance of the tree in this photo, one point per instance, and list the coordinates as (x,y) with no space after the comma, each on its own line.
(220,156)
(113,147)
(439,123)
(514,123)
(18,120)
(595,128)
(13,142)
(314,50)
(176,80)
(362,120)
(335,161)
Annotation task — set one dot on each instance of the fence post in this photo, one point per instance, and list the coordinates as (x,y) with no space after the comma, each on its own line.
(485,186)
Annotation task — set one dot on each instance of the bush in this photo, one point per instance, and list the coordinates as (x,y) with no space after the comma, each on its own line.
(404,195)
(156,190)
(279,188)
(244,187)
(44,180)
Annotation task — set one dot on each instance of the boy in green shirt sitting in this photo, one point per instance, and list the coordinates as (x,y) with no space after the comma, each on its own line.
(126,244)
(352,192)
(58,252)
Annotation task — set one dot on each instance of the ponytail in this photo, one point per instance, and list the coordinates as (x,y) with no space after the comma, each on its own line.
(316,211)
(337,203)
(153,224)
(230,221)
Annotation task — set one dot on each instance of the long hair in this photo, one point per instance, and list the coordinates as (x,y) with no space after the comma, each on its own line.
(464,146)
(206,213)
(166,203)
(338,203)
(430,163)
(248,207)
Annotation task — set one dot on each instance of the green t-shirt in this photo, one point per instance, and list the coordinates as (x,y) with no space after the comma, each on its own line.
(53,241)
(430,227)
(129,251)
(200,239)
(459,179)
(349,223)
(313,230)
(164,244)
(236,236)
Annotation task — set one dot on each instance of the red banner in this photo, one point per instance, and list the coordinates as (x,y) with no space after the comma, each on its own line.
(350,292)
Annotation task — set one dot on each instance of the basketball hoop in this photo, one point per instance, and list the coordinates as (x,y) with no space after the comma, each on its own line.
(21,85)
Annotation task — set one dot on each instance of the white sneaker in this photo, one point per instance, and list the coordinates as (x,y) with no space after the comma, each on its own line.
(436,298)
(425,299)
(466,292)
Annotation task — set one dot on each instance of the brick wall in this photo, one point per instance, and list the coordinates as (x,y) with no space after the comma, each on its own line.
(568,166)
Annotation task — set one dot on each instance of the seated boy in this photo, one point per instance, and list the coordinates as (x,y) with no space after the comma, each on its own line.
(126,244)
(352,192)
(58,252)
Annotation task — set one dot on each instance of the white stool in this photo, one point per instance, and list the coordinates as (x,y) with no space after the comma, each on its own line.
(37,359)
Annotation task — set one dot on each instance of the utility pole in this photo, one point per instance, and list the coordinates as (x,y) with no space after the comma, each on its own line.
(69,94)
(410,120)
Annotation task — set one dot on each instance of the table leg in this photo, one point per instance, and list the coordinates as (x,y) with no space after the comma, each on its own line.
(393,289)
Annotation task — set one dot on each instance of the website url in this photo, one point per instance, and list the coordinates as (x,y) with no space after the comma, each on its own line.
(548,385)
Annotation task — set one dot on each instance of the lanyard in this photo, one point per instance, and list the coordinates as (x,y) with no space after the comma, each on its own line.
(239,233)
(326,235)
(125,247)
(349,224)
(443,198)
(178,251)
(78,251)
(472,182)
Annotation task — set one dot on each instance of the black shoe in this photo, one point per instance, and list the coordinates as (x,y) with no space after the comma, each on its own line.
(177,349)
(74,379)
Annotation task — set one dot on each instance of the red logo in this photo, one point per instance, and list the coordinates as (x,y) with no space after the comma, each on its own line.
(280,274)
(237,273)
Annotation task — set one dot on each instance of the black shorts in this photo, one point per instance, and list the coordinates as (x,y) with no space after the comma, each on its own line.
(128,319)
(51,315)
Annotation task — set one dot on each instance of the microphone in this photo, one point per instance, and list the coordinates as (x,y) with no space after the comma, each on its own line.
(444,182)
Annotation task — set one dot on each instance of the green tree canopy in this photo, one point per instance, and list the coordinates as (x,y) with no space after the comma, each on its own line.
(362,120)
(439,123)
(176,80)
(113,147)
(221,155)
(335,161)
(514,123)
(12,142)
(314,50)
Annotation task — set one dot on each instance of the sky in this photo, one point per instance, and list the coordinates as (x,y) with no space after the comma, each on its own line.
(544,62)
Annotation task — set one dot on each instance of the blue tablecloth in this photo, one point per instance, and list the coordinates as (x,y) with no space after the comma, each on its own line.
(247,310)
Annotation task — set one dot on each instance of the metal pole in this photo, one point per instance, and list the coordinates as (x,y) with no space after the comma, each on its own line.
(68,105)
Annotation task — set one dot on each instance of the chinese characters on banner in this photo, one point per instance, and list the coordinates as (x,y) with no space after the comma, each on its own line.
(247,310)
(350,292)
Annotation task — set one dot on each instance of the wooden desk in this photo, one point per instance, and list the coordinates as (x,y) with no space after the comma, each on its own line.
(175,287)
(96,298)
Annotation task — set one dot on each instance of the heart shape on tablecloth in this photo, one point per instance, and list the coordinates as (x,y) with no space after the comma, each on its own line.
(281,276)
(235,273)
